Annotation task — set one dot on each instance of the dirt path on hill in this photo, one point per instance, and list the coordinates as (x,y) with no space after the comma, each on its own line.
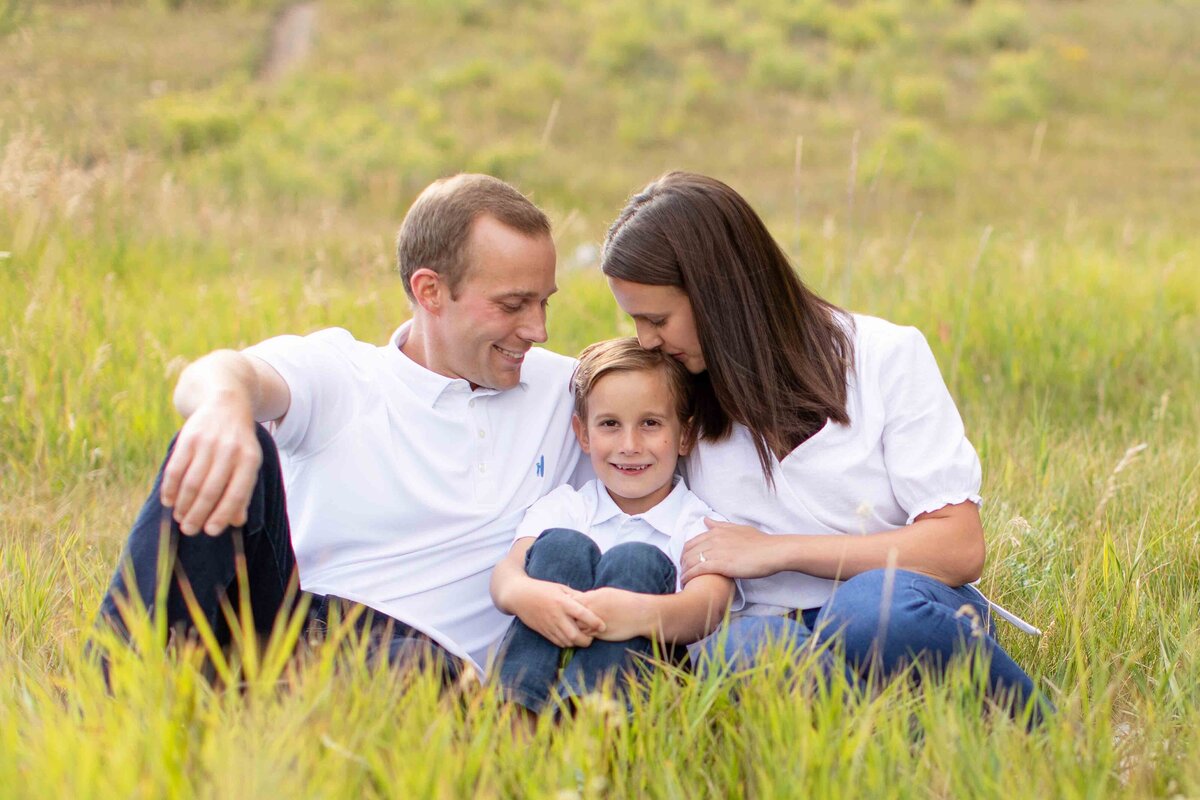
(291,41)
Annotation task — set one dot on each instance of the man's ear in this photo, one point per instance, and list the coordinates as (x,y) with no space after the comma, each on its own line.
(687,438)
(428,289)
(580,429)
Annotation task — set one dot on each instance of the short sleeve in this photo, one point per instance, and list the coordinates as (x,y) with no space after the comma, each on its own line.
(320,374)
(930,463)
(694,528)
(562,508)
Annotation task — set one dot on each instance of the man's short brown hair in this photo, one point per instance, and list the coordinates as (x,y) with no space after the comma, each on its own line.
(626,355)
(436,229)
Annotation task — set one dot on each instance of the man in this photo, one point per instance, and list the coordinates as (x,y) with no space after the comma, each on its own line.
(407,466)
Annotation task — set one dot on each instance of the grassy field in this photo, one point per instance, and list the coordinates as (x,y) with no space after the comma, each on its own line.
(1018,180)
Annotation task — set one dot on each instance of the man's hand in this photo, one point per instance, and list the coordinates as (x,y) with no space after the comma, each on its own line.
(735,551)
(558,613)
(210,476)
(211,473)
(624,612)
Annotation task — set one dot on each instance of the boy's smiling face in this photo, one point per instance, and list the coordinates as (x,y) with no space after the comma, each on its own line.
(634,437)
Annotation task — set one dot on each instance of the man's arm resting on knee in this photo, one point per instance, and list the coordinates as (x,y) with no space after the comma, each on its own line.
(210,476)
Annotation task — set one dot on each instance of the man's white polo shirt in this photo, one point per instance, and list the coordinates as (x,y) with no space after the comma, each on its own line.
(404,486)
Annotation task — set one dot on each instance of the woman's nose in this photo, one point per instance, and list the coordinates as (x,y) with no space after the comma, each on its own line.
(647,337)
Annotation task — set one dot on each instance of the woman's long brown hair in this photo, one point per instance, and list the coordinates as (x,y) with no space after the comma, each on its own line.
(777,355)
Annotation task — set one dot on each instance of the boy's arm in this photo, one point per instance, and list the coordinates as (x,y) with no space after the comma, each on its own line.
(551,609)
(680,618)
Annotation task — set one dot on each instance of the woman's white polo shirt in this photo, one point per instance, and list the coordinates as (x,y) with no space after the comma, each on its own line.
(904,453)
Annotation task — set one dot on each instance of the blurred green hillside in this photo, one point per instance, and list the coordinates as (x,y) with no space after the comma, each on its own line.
(992,111)
(880,139)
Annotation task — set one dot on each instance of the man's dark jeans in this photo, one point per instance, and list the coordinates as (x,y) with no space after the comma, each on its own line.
(529,662)
(208,565)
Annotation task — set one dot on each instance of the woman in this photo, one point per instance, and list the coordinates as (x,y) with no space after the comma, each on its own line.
(815,425)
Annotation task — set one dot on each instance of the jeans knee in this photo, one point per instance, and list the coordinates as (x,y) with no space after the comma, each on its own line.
(267,442)
(742,642)
(880,603)
(563,543)
(855,611)
(637,567)
(558,552)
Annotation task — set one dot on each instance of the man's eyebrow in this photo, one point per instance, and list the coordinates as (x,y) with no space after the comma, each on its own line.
(526,294)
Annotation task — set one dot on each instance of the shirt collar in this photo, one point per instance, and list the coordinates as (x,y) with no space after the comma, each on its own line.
(426,384)
(662,517)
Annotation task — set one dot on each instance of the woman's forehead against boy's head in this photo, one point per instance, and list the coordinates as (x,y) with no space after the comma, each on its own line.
(626,355)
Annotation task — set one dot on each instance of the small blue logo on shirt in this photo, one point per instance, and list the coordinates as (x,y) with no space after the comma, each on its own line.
(541,466)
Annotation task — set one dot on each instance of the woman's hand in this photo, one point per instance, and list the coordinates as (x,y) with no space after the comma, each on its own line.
(735,551)
(625,613)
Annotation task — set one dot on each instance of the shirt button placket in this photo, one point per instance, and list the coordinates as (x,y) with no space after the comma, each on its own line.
(484,481)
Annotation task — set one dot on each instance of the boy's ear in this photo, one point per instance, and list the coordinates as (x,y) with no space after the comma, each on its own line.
(580,433)
(687,438)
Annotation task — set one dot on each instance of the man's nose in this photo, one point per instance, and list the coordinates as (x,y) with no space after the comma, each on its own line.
(534,327)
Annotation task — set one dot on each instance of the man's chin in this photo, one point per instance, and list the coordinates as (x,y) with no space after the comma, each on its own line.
(501,382)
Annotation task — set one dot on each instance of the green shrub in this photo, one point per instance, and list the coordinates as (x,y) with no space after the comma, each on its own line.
(478,73)
(713,26)
(193,122)
(993,26)
(914,155)
(700,87)
(525,93)
(843,63)
(789,70)
(506,160)
(865,26)
(804,19)
(626,41)
(919,94)
(1014,88)
(856,30)
(754,39)
(13,13)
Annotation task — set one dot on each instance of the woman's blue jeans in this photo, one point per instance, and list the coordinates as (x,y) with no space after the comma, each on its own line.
(883,622)
(529,662)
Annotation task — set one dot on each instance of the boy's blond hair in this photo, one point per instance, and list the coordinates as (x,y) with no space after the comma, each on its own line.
(626,355)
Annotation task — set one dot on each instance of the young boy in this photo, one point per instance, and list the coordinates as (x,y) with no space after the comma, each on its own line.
(602,575)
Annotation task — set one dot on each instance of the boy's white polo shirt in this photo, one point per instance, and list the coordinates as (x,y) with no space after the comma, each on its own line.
(404,486)
(592,511)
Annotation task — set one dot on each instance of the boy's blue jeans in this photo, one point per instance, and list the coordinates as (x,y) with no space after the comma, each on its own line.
(884,626)
(208,566)
(529,662)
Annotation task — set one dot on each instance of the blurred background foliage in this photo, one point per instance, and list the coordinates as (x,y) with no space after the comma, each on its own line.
(145,152)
